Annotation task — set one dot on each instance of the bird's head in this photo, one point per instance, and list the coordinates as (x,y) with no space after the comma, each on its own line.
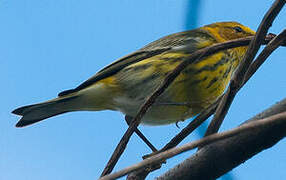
(224,31)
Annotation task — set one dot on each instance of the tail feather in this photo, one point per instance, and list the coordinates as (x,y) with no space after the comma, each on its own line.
(67,92)
(37,112)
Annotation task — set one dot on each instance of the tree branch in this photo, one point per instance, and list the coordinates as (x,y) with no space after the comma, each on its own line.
(196,56)
(141,135)
(214,160)
(275,42)
(272,128)
(237,81)
(279,40)
(171,77)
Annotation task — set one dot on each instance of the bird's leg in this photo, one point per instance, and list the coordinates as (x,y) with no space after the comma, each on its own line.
(128,119)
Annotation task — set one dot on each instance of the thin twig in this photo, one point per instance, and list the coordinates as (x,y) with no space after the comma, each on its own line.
(271,46)
(204,115)
(167,81)
(222,156)
(238,78)
(141,135)
(251,126)
(194,57)
(188,129)
(141,174)
(275,42)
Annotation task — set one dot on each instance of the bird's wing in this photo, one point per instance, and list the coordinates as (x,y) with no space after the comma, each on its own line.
(183,41)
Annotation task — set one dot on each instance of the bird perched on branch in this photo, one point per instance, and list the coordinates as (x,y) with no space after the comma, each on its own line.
(126,84)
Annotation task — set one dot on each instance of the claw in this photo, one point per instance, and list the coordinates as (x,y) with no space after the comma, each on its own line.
(177,124)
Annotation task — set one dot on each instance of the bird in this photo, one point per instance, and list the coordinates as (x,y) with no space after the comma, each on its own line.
(125,84)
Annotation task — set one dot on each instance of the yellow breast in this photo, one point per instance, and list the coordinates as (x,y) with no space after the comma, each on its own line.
(199,85)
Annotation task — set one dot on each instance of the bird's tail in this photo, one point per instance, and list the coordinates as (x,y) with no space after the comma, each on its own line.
(37,112)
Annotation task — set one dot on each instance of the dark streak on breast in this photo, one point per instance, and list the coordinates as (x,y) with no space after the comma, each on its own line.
(212,82)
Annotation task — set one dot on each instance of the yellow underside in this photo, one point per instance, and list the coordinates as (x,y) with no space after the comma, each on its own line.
(192,91)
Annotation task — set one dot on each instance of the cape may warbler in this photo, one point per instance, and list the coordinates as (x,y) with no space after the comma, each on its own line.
(125,84)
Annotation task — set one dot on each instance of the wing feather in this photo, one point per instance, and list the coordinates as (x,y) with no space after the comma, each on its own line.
(184,41)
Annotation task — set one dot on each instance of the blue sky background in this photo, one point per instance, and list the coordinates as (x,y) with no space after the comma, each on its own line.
(52,45)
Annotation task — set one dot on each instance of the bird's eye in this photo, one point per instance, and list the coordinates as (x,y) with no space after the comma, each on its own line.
(237,29)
